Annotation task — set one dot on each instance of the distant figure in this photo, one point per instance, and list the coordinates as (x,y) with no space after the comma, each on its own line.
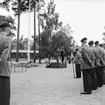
(62,54)
(5,46)
(58,54)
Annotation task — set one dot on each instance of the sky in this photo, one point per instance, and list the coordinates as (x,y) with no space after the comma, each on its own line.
(86,17)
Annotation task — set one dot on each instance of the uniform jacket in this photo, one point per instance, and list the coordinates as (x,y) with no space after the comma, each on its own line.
(5,46)
(88,57)
(102,55)
(96,55)
(78,58)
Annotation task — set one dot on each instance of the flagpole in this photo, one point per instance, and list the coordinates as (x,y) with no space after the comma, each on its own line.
(29,35)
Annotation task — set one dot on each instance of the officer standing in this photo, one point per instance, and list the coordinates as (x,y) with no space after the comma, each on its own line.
(86,66)
(95,61)
(102,64)
(102,46)
(5,46)
(77,61)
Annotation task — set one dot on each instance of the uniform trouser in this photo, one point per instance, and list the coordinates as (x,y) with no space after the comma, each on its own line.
(99,73)
(87,80)
(94,79)
(104,75)
(78,70)
(4,90)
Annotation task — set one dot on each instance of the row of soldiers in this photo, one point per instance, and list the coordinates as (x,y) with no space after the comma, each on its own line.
(91,60)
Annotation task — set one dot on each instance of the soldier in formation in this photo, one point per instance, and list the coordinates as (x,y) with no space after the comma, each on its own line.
(5,46)
(92,65)
(77,61)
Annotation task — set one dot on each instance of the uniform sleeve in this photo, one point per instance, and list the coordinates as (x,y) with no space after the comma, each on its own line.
(4,54)
(86,57)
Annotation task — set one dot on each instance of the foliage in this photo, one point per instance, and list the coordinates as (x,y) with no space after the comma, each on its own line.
(49,19)
(9,20)
(60,39)
(66,29)
(24,5)
(5,4)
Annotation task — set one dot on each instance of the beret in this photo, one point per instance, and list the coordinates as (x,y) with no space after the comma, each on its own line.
(91,42)
(101,45)
(96,42)
(83,39)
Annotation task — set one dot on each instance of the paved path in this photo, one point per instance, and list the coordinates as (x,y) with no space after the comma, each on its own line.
(45,86)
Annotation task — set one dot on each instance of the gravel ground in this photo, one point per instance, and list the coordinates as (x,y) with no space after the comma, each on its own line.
(46,86)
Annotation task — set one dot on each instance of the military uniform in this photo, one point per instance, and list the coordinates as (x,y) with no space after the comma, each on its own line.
(86,67)
(102,63)
(77,61)
(95,61)
(5,46)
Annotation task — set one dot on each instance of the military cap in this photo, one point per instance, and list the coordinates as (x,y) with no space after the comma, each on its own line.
(90,42)
(96,42)
(101,45)
(83,39)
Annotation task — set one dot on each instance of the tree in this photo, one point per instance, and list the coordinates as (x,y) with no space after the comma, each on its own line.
(66,29)
(49,21)
(61,39)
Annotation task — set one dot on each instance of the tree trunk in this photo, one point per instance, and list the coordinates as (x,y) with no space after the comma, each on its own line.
(18,31)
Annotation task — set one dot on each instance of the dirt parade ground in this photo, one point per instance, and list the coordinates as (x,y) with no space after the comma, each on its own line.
(46,86)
